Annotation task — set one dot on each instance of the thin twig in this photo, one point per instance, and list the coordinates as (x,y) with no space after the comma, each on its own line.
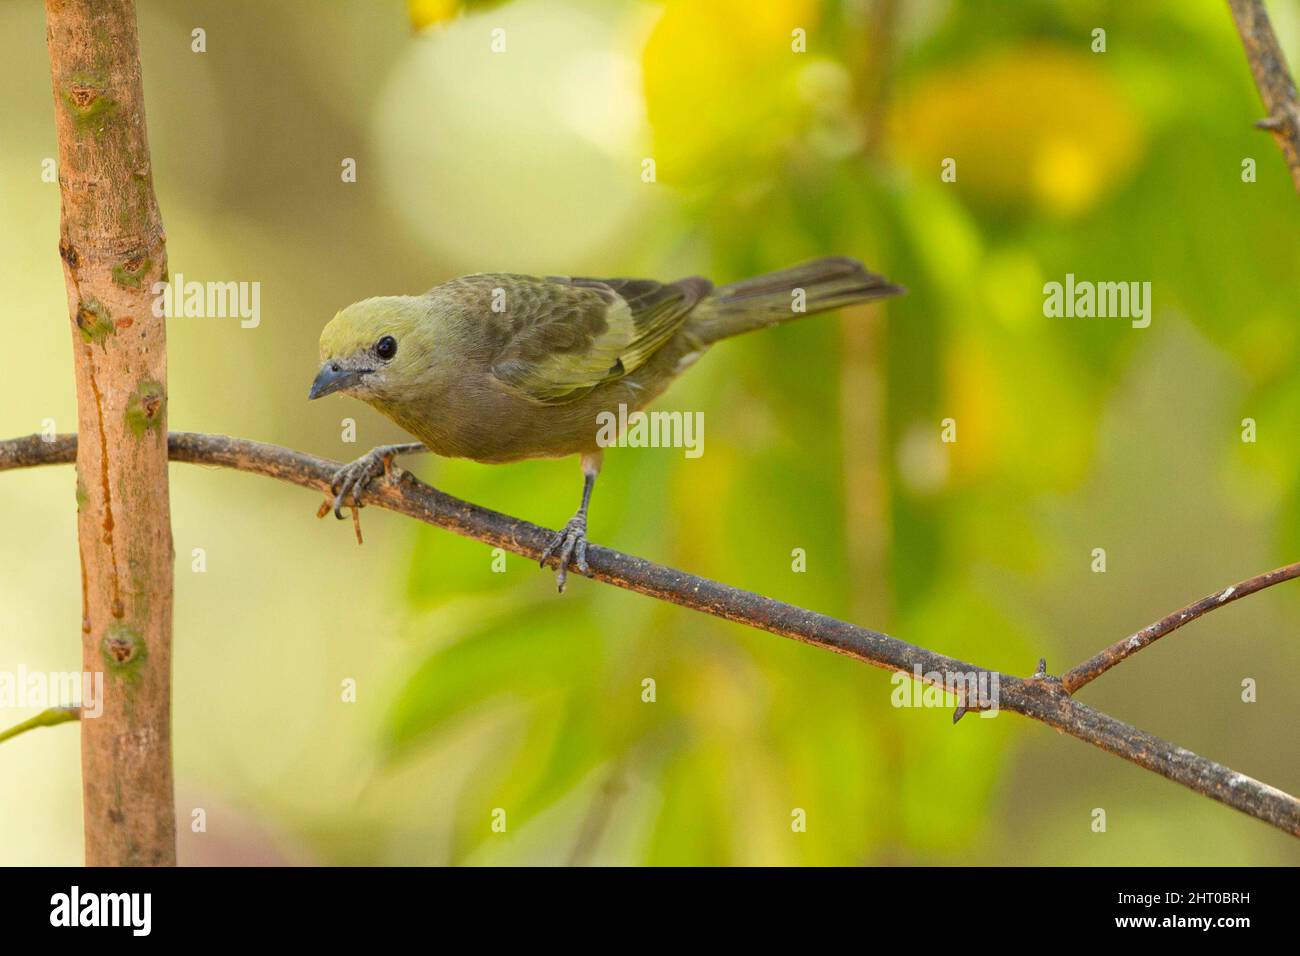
(1097,665)
(1276,88)
(46,718)
(1040,697)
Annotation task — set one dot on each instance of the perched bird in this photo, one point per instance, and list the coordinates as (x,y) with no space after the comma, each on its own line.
(499,367)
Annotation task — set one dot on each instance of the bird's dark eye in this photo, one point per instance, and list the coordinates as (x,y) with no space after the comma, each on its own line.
(386,347)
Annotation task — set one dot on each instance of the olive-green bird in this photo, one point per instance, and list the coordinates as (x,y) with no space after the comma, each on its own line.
(498,367)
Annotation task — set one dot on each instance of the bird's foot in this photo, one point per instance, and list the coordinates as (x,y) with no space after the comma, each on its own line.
(351,481)
(571,543)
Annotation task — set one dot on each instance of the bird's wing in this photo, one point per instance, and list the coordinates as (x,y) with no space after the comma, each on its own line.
(565,336)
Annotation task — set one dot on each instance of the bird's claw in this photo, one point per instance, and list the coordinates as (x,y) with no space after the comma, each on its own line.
(355,477)
(571,543)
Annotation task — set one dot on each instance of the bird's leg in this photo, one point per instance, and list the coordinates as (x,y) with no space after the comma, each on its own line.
(572,541)
(353,478)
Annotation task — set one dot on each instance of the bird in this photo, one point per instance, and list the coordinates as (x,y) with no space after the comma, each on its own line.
(501,367)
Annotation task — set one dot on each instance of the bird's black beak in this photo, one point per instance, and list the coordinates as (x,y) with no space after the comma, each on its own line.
(333,378)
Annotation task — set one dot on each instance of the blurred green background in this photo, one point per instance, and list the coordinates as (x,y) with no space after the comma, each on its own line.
(480,690)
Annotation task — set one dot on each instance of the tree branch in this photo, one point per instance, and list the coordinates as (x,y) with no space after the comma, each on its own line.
(1040,697)
(1273,79)
(1097,665)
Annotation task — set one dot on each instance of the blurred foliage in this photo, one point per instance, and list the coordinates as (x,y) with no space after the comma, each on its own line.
(484,689)
(769,153)
(705,98)
(1036,126)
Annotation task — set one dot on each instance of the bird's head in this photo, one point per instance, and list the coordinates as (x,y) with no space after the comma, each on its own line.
(375,348)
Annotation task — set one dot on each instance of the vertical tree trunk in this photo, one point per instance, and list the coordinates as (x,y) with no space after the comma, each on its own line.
(113,252)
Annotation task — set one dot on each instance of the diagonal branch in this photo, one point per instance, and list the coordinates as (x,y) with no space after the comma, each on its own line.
(1040,697)
(1097,665)
(1276,88)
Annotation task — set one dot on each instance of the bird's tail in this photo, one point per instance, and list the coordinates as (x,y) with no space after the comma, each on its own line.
(766,300)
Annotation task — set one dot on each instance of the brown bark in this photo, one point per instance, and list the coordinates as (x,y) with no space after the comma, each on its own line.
(1120,651)
(1272,78)
(113,252)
